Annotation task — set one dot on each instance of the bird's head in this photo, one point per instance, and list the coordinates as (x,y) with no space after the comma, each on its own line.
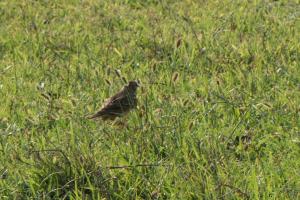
(133,85)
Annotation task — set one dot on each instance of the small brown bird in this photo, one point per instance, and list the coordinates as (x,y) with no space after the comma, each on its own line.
(119,104)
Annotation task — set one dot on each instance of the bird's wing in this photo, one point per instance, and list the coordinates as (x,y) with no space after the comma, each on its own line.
(117,106)
(114,98)
(111,107)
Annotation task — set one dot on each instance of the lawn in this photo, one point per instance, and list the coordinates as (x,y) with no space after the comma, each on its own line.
(219,104)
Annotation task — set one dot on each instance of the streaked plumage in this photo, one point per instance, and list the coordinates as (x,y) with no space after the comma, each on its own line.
(119,104)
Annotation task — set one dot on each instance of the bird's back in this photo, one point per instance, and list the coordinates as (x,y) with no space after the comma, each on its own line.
(117,105)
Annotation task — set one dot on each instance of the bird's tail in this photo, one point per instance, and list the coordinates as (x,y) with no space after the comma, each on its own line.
(99,114)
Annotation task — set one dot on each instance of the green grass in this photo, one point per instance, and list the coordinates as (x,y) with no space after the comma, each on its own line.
(227,128)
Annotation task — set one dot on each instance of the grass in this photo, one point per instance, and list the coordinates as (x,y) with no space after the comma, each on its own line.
(218,114)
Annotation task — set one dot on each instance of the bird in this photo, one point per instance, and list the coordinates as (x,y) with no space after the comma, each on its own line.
(120,103)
